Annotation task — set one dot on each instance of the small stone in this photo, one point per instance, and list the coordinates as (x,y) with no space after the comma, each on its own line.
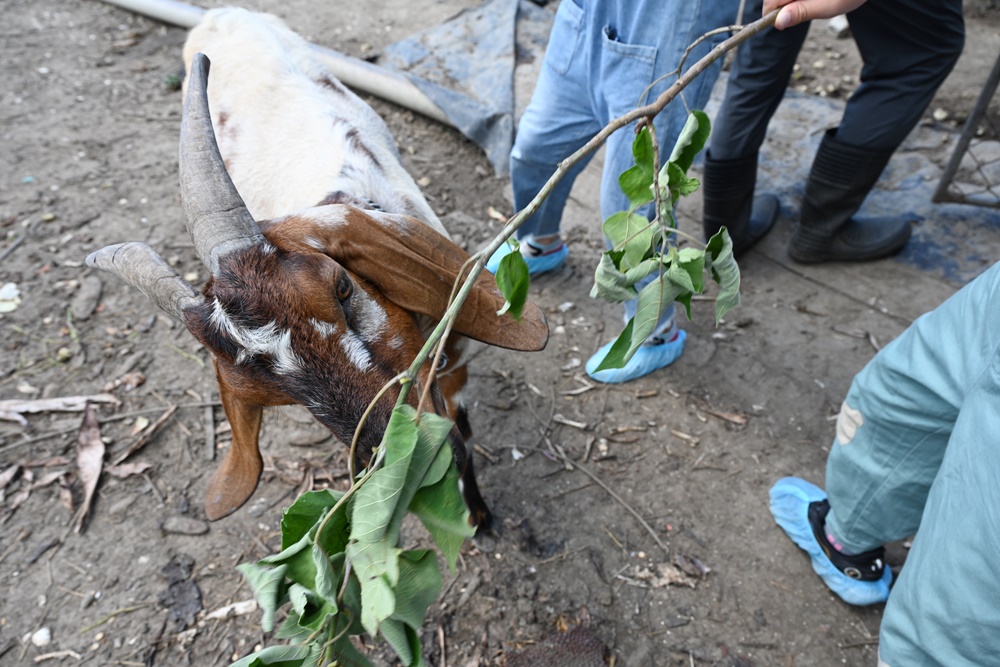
(839,26)
(119,509)
(940,115)
(41,637)
(146,324)
(183,525)
(85,301)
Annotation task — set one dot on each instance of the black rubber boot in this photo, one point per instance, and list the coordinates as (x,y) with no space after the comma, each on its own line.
(840,179)
(729,202)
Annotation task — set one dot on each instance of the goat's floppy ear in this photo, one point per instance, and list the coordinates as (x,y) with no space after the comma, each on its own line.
(235,480)
(415,267)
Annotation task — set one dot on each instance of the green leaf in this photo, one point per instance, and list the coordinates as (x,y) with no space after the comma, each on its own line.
(427,467)
(442,510)
(293,630)
(268,587)
(351,603)
(305,513)
(419,586)
(405,641)
(636,182)
(326,579)
(676,274)
(654,299)
(347,655)
(632,233)
(375,503)
(280,656)
(379,506)
(396,633)
(298,561)
(691,140)
(318,615)
(376,565)
(288,552)
(685,300)
(298,595)
(615,357)
(692,260)
(610,283)
(647,267)
(513,280)
(442,461)
(724,271)
(676,183)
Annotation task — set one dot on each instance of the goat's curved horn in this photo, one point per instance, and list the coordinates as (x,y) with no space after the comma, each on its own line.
(217,218)
(139,266)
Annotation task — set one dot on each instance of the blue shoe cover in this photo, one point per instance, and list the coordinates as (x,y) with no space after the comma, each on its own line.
(536,265)
(790,500)
(646,359)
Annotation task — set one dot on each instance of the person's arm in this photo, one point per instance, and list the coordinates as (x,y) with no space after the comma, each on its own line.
(794,12)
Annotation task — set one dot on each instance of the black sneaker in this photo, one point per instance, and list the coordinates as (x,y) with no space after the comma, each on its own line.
(867,566)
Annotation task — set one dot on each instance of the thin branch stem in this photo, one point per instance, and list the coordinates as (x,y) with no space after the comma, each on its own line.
(515,221)
(372,467)
(371,406)
(657,201)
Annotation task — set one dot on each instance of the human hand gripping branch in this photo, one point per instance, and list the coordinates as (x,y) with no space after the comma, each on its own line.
(794,12)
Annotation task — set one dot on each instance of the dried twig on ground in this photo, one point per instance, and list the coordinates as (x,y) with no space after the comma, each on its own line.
(63,404)
(146,436)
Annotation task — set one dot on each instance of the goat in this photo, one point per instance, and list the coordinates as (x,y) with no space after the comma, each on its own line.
(328,266)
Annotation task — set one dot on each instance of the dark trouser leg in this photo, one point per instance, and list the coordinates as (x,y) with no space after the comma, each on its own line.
(756,86)
(908,47)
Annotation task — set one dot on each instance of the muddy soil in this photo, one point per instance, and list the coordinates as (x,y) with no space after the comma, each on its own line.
(90,109)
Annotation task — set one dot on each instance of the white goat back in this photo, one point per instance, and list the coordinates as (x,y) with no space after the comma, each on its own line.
(290,133)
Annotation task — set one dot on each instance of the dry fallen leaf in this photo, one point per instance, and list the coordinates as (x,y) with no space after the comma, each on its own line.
(123,470)
(49,479)
(63,404)
(89,461)
(140,425)
(495,214)
(7,476)
(664,575)
(18,498)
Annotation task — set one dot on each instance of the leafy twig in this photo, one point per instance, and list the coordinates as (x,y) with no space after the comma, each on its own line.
(364,418)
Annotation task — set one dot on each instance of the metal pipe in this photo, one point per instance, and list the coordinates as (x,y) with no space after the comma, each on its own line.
(942,193)
(354,73)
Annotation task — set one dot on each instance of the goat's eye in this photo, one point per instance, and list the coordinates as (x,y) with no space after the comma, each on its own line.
(344,288)
(442,362)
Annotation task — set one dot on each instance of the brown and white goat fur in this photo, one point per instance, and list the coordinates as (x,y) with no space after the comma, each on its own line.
(328,267)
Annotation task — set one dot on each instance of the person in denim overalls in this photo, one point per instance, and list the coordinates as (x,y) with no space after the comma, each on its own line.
(601,57)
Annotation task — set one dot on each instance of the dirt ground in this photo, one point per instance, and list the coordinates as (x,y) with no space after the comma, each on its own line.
(90,114)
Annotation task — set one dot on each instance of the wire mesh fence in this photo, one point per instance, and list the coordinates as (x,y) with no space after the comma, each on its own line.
(972,175)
